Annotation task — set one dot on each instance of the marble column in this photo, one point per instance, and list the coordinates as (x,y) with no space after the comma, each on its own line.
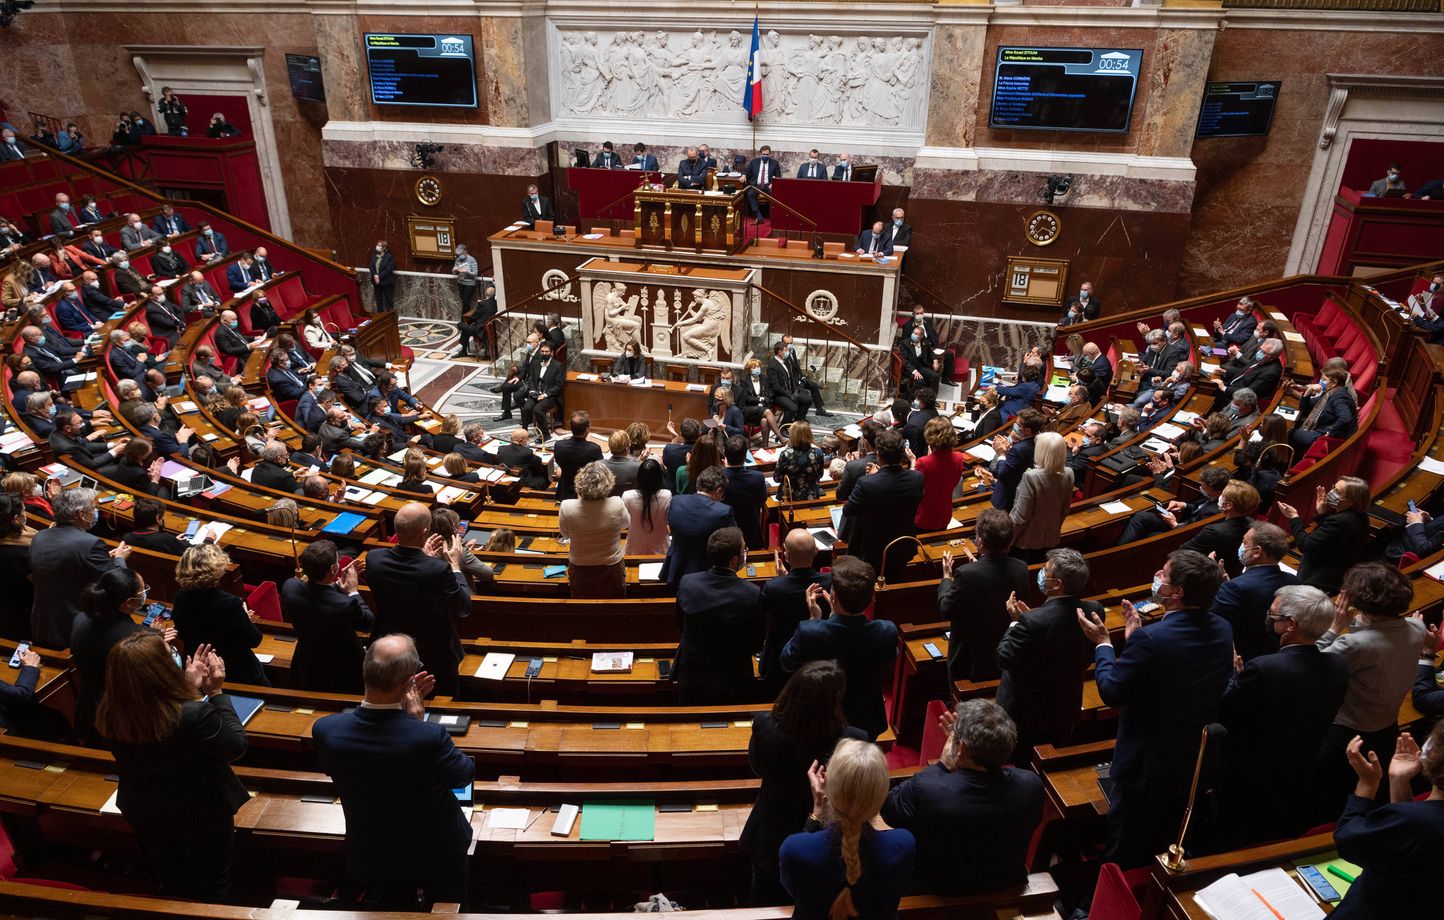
(514,61)
(958,50)
(338,43)
(1179,68)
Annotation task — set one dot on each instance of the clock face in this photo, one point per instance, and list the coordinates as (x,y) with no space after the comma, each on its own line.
(428,190)
(1043,227)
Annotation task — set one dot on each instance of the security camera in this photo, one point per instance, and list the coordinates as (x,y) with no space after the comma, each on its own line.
(1057,186)
(424,157)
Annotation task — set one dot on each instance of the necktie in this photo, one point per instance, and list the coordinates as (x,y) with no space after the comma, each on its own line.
(245,274)
(847,173)
(873,249)
(763,179)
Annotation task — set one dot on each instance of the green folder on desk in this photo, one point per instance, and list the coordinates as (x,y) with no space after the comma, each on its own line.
(619,821)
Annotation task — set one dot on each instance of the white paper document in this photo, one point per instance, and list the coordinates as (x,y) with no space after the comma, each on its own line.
(982,451)
(1431,465)
(1267,895)
(1115,507)
(494,665)
(507,818)
(650,571)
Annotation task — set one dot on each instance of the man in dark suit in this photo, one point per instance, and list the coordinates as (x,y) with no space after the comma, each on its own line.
(326,612)
(571,454)
(147,420)
(881,508)
(11,147)
(1150,521)
(241,274)
(65,560)
(1262,376)
(394,770)
(720,619)
(353,392)
(786,394)
(919,365)
(924,410)
(874,242)
(899,232)
(383,277)
(607,159)
(263,316)
(1277,709)
(126,365)
(71,314)
(229,338)
(272,470)
(970,787)
(1236,502)
(46,361)
(541,390)
(842,170)
(1015,457)
(261,267)
(1238,326)
(746,492)
(516,454)
(812,167)
(706,156)
(1243,597)
(692,518)
(96,246)
(691,171)
(198,294)
(1044,656)
(309,412)
(784,602)
(211,244)
(63,220)
(169,223)
(1423,536)
(285,383)
(418,588)
(164,318)
(799,375)
(97,303)
(974,598)
(1167,685)
(1082,307)
(474,325)
(643,160)
(536,207)
(70,440)
(760,173)
(865,649)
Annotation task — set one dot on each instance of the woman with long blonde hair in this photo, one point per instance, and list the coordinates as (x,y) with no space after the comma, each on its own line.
(840,867)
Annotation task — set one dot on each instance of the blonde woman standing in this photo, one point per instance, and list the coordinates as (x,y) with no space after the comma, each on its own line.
(593,523)
(839,866)
(1043,499)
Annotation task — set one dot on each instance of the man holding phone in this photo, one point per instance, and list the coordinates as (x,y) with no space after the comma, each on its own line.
(15,697)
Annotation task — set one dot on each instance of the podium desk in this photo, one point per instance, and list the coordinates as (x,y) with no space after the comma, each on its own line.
(599,190)
(617,405)
(836,206)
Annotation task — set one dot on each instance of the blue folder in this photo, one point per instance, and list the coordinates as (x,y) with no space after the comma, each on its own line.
(344,522)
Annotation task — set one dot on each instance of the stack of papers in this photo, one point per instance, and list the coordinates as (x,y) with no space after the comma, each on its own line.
(649,571)
(592,236)
(1056,394)
(449,494)
(696,388)
(586,376)
(1169,431)
(1432,465)
(14,440)
(983,451)
(1115,507)
(214,529)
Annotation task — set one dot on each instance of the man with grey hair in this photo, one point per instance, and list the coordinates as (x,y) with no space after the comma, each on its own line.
(969,809)
(1044,656)
(472,434)
(394,771)
(1241,599)
(1242,410)
(1262,375)
(1277,709)
(1178,381)
(692,171)
(146,417)
(1128,421)
(272,471)
(65,560)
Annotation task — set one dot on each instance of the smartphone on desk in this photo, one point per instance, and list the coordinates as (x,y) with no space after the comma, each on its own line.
(20,651)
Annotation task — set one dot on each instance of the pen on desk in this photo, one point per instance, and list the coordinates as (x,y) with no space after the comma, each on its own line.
(1266,903)
(1335,870)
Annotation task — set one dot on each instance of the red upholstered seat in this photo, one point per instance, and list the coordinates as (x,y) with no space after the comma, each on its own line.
(265,600)
(1364,376)
(934,740)
(1115,898)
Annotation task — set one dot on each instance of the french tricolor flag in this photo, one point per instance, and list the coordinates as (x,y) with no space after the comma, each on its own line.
(752,94)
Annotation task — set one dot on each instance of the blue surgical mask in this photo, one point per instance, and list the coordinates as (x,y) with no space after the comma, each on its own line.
(917,405)
(917,338)
(756,372)
(1042,582)
(93,519)
(725,384)
(1240,552)
(1157,586)
(233,323)
(210,232)
(65,206)
(1017,431)
(1258,355)
(125,263)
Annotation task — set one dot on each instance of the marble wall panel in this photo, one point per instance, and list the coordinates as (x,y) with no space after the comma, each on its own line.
(958,53)
(343,67)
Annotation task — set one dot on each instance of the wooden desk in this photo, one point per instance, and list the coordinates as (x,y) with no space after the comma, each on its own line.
(617,405)
(689,220)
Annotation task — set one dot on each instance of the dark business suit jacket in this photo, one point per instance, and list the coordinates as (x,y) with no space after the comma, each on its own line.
(692,174)
(533,475)
(93,455)
(691,519)
(285,383)
(274,476)
(898,235)
(1338,419)
(865,649)
(195,296)
(1009,470)
(571,454)
(646,162)
(64,561)
(880,509)
(1419,539)
(1000,809)
(811,170)
(328,652)
(913,430)
(231,342)
(720,619)
(865,243)
(91,640)
(1243,600)
(1167,685)
(784,604)
(309,414)
(1263,379)
(165,443)
(1398,845)
(1222,538)
(607,159)
(1330,548)
(395,775)
(165,321)
(1044,658)
(421,596)
(542,210)
(383,266)
(1237,329)
(217,618)
(98,303)
(169,264)
(754,172)
(1277,711)
(746,494)
(974,601)
(185,780)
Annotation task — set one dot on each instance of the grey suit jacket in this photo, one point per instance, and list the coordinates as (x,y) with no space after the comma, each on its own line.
(132,238)
(64,561)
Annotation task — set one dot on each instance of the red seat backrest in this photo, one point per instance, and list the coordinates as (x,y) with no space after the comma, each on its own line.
(1364,378)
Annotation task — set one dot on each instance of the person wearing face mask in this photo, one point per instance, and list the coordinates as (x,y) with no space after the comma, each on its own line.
(842,170)
(466,272)
(11,147)
(1424,310)
(1332,414)
(63,220)
(542,389)
(96,302)
(812,167)
(1278,707)
(511,387)
(924,409)
(1393,182)
(1044,656)
(918,363)
(753,396)
(168,263)
(1237,503)
(536,207)
(383,277)
(111,605)
(1262,375)
(11,238)
(65,560)
(198,294)
(164,318)
(898,231)
(1082,307)
(211,244)
(631,364)
(1238,326)
(1093,442)
(230,341)
(96,246)
(1167,684)
(1243,596)
(692,171)
(220,127)
(1341,528)
(72,314)
(135,234)
(1014,456)
(128,282)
